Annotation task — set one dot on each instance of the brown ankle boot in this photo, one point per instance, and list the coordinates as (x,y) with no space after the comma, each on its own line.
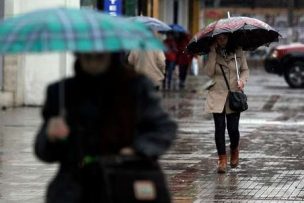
(234,160)
(222,164)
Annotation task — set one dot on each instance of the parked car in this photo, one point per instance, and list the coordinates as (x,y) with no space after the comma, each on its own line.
(287,61)
(259,53)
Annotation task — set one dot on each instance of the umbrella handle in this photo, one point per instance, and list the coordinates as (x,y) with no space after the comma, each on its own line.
(237,68)
(62,110)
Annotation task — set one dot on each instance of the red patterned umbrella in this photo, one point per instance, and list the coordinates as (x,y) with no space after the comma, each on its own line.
(248,33)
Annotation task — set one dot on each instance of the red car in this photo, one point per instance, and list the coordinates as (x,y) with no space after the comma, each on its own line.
(288,61)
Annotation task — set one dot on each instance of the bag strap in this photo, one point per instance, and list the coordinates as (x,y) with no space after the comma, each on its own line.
(225,78)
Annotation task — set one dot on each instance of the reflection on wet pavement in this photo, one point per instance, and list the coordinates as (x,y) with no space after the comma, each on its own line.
(23,178)
(271,167)
(272,155)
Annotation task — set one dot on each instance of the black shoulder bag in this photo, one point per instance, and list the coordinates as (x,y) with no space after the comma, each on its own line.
(237,100)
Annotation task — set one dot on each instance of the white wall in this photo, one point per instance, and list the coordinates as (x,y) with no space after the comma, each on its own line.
(166,12)
(41,70)
(14,7)
(28,75)
(183,13)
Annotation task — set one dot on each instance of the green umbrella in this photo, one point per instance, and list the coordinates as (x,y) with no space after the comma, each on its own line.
(77,30)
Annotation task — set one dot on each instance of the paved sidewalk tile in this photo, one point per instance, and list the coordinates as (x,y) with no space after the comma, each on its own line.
(271,158)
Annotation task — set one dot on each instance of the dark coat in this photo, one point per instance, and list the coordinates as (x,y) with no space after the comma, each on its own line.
(171,52)
(183,58)
(87,101)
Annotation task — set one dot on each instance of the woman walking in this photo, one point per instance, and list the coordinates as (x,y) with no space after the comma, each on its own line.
(184,59)
(221,61)
(171,56)
(110,110)
(150,63)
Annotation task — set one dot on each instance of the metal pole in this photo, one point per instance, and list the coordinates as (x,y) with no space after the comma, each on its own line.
(63,59)
(236,63)
(291,5)
(237,68)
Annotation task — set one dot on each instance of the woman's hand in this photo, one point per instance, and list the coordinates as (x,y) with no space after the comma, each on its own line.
(127,151)
(213,47)
(241,85)
(57,129)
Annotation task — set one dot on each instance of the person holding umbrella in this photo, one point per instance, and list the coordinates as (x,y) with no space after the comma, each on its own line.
(105,110)
(221,56)
(150,63)
(225,41)
(110,110)
(171,56)
(184,59)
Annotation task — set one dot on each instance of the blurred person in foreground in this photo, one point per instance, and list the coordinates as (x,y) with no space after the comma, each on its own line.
(110,110)
(150,63)
(222,55)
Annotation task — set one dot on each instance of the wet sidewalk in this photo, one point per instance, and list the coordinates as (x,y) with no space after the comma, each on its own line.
(271,160)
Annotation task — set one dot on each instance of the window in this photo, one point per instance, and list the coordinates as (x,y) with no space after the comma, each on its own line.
(88,3)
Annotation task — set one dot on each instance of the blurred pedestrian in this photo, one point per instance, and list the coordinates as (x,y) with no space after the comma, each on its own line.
(184,59)
(171,55)
(110,110)
(221,55)
(150,63)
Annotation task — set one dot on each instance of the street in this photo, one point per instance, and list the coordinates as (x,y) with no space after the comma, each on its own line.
(271,157)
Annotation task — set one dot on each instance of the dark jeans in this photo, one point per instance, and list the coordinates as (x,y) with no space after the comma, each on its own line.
(220,128)
(170,66)
(183,71)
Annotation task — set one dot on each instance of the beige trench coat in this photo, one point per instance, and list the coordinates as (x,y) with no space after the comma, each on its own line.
(217,93)
(150,63)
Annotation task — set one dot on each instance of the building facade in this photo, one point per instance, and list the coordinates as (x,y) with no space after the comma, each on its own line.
(24,77)
(128,8)
(183,12)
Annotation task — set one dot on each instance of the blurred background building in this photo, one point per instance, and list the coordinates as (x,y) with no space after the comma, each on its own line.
(183,12)
(23,78)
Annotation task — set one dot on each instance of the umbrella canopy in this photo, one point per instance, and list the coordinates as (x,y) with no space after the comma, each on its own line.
(248,33)
(152,23)
(178,28)
(77,30)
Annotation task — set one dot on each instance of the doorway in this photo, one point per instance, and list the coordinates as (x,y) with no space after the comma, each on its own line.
(175,11)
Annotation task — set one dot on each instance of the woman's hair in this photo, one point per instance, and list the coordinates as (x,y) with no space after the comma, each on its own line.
(119,65)
(231,45)
(118,105)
